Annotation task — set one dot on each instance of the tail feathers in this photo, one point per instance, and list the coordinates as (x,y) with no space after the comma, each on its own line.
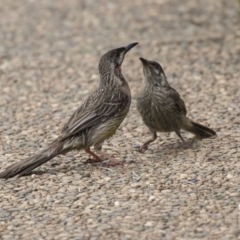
(200,131)
(27,165)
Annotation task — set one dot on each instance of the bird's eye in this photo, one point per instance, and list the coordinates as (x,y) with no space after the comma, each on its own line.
(156,69)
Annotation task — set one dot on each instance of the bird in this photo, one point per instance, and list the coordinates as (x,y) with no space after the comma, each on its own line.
(96,120)
(162,109)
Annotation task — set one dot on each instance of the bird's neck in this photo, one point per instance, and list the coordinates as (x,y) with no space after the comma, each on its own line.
(113,78)
(151,82)
(150,87)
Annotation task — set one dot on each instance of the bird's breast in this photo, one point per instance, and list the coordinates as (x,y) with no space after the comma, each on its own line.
(157,111)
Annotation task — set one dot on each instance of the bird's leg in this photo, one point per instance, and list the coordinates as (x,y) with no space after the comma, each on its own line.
(112,161)
(144,147)
(95,158)
(184,145)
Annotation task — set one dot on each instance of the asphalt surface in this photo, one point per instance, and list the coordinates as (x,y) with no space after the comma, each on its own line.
(49,54)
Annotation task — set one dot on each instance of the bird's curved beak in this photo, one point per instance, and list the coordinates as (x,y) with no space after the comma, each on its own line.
(123,51)
(128,47)
(144,61)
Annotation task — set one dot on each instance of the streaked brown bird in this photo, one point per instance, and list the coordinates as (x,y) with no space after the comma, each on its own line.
(161,107)
(92,123)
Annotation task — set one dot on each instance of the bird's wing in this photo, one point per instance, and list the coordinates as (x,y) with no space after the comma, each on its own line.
(179,103)
(99,107)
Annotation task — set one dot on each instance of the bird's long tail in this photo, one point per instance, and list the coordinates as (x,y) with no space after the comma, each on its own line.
(199,130)
(28,164)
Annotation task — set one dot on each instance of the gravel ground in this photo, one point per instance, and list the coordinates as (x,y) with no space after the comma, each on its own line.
(49,54)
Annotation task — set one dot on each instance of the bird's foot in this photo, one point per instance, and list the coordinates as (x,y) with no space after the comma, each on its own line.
(114,162)
(111,160)
(143,148)
(94,160)
(186,145)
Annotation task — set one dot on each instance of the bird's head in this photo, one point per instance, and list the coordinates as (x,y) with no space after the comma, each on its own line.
(154,73)
(112,60)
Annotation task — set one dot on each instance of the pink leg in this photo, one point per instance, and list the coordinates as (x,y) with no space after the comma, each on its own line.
(95,158)
(112,161)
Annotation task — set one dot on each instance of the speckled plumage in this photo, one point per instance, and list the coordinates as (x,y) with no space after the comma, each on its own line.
(161,107)
(93,122)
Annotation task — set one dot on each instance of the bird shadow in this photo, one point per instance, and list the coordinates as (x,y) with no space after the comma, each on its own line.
(54,170)
(172,147)
(164,148)
(189,144)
